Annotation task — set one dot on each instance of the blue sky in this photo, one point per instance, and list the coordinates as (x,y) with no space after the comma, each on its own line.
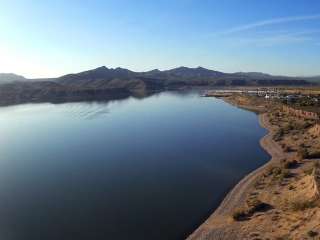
(52,38)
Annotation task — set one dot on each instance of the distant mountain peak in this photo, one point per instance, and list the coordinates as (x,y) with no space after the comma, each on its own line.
(156,70)
(180,68)
(122,69)
(101,68)
(202,68)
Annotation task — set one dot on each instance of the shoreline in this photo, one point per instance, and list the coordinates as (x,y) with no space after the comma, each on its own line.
(219,225)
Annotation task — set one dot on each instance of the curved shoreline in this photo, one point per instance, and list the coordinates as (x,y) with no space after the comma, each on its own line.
(220,224)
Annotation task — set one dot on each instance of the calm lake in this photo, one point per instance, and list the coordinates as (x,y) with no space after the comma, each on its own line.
(152,168)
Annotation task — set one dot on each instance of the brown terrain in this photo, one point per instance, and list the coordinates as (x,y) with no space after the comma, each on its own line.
(104,84)
(280,200)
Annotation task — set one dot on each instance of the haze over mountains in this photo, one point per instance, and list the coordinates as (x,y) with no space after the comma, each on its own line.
(110,83)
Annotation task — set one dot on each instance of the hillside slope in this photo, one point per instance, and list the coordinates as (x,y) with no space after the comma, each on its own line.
(111,83)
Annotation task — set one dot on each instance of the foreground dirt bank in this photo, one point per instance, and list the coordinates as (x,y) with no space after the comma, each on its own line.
(273,188)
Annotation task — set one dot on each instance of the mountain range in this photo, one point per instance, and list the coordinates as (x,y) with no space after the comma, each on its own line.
(111,83)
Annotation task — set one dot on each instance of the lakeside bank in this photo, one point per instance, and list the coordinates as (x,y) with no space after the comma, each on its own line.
(220,225)
(279,200)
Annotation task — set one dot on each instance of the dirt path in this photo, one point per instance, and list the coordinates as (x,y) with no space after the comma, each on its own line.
(220,225)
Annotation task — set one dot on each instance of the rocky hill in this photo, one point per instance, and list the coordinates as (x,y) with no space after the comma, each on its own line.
(110,83)
(10,77)
(181,76)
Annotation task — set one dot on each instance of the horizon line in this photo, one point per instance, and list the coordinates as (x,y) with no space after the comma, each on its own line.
(166,69)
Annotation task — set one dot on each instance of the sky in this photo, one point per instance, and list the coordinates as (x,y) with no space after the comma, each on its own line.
(52,38)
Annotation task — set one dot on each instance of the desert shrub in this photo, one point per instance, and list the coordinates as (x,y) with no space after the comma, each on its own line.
(302,205)
(284,237)
(290,164)
(285,173)
(303,153)
(308,171)
(312,233)
(287,149)
(276,114)
(278,135)
(315,154)
(300,126)
(260,182)
(288,127)
(239,215)
(295,138)
(254,206)
(269,171)
(253,202)
(306,125)
(276,171)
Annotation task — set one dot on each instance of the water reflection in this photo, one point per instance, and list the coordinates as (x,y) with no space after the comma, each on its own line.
(86,111)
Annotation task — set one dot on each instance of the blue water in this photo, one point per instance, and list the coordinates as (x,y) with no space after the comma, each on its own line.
(152,168)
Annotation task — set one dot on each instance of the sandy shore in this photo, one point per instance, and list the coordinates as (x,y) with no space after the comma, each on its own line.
(220,224)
